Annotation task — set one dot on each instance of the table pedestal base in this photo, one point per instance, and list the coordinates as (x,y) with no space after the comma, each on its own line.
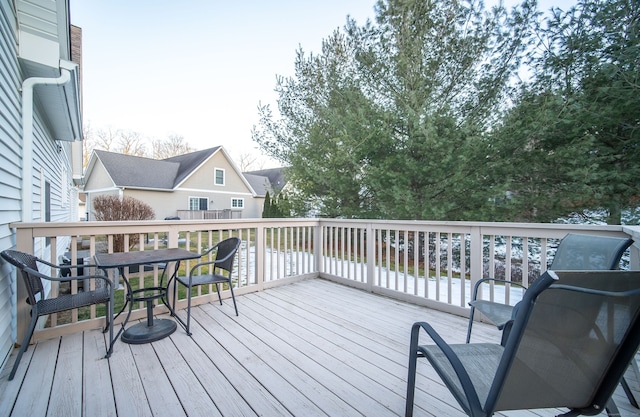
(143,333)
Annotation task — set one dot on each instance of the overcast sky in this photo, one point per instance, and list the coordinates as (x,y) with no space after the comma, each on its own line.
(197,68)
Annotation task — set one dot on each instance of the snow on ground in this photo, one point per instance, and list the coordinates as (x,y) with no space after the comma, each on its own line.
(279,264)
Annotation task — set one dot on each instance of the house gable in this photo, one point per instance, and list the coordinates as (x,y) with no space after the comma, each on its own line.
(97,177)
(204,177)
(190,163)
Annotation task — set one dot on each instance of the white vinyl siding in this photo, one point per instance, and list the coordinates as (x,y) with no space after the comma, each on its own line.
(10,182)
(48,166)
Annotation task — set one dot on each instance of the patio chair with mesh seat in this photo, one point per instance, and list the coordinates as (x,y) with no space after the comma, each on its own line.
(575,252)
(217,271)
(570,344)
(28,266)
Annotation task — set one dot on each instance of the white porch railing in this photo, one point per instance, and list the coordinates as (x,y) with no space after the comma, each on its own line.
(428,263)
(209,214)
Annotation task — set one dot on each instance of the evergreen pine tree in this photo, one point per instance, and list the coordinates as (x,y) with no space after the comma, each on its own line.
(266,210)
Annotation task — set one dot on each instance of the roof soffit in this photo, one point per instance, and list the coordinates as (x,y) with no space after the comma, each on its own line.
(43,51)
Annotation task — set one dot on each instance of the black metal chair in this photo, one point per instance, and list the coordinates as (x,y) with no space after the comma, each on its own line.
(27,265)
(225,254)
(570,344)
(575,252)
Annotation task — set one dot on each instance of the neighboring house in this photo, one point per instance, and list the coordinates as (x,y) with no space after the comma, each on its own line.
(264,180)
(199,185)
(40,132)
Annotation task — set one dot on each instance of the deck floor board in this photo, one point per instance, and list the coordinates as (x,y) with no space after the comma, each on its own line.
(311,348)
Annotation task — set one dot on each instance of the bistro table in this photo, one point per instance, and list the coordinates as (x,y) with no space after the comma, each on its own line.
(156,329)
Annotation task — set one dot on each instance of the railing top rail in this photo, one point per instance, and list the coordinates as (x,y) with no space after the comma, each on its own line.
(550,230)
(143,225)
(486,227)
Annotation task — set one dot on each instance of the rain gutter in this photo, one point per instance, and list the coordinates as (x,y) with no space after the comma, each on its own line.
(27,136)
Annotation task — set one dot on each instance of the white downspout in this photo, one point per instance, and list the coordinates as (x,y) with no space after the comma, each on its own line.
(27,136)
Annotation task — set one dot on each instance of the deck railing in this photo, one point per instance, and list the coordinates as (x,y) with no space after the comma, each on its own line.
(428,263)
(209,214)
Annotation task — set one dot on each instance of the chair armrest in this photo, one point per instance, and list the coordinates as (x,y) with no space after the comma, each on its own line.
(463,376)
(201,264)
(483,280)
(213,262)
(208,251)
(65,267)
(69,278)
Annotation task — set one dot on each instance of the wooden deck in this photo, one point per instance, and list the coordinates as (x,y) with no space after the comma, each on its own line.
(313,348)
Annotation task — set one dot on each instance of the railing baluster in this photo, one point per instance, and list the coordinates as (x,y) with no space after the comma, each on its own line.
(380,243)
(437,265)
(507,270)
(449,267)
(427,266)
(525,261)
(462,261)
(492,265)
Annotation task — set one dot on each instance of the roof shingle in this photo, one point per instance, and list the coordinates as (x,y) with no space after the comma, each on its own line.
(133,171)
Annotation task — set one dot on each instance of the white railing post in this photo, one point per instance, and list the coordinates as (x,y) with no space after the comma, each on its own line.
(317,247)
(634,250)
(371,254)
(260,257)
(476,255)
(173,234)
(634,257)
(24,243)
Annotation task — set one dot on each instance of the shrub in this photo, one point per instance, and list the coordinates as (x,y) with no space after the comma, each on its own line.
(112,208)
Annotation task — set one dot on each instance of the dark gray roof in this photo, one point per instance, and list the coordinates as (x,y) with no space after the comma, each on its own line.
(133,171)
(275,176)
(259,184)
(190,162)
(139,172)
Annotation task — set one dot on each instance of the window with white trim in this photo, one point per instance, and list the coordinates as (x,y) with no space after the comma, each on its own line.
(237,203)
(218,176)
(198,203)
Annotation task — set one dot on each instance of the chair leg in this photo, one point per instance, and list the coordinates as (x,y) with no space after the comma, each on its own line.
(25,344)
(175,296)
(612,408)
(411,384)
(107,322)
(628,392)
(411,376)
(633,366)
(188,310)
(233,297)
(218,292)
(108,317)
(470,323)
